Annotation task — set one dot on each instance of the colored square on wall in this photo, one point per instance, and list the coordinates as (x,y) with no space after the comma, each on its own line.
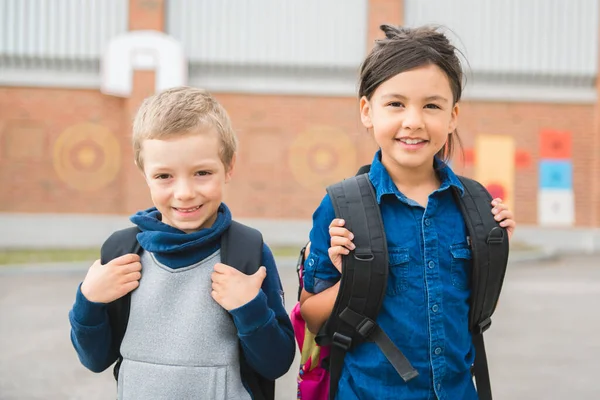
(522,159)
(495,165)
(556,174)
(555,145)
(556,207)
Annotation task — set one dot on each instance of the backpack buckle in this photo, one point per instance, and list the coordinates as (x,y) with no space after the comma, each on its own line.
(363,255)
(341,341)
(483,326)
(365,327)
(496,236)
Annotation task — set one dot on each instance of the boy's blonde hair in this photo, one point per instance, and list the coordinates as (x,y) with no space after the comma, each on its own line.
(180,111)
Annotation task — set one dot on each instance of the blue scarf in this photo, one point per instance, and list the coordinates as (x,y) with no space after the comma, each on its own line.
(175,248)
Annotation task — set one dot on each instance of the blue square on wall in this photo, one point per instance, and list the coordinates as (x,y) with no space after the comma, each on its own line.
(556,174)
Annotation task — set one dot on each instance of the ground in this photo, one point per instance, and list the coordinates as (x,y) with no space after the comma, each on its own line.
(543,343)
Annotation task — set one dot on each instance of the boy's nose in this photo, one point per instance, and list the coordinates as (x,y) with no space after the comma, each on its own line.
(184,191)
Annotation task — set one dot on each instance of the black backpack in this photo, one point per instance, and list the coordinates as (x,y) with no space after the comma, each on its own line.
(365,272)
(241,248)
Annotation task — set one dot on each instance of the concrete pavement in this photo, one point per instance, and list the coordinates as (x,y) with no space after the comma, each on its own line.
(543,344)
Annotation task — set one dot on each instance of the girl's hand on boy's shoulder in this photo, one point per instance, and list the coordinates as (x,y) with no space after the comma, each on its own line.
(113,280)
(232,289)
(341,242)
(504,216)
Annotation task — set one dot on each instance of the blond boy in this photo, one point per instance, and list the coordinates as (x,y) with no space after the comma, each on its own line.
(197,328)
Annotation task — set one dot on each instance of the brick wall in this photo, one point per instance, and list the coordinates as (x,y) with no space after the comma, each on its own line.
(290,146)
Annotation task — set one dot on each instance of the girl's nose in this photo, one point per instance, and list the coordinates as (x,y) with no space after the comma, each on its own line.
(413,118)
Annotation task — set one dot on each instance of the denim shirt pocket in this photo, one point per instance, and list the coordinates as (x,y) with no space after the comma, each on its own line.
(398,273)
(461,265)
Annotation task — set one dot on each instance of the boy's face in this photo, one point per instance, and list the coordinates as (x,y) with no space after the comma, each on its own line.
(186,178)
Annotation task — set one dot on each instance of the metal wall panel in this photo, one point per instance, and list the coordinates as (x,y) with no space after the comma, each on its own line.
(553,37)
(56,36)
(272,46)
(534,44)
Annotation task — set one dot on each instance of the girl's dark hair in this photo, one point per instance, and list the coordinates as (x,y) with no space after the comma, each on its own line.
(404,49)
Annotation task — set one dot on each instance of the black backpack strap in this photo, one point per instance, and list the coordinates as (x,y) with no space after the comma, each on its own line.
(364,169)
(299,264)
(489,245)
(241,248)
(119,243)
(363,281)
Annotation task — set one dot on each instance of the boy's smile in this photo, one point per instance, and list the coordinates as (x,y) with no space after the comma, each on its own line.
(186,178)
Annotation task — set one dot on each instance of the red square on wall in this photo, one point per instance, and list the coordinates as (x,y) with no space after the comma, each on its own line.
(555,145)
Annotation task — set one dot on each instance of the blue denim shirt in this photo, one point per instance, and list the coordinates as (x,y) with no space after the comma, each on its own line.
(426,307)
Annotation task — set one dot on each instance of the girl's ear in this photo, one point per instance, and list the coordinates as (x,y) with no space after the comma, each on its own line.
(454,118)
(365,112)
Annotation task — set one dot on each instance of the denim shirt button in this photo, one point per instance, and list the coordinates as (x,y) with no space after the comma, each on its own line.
(427,222)
(438,351)
(431,264)
(435,308)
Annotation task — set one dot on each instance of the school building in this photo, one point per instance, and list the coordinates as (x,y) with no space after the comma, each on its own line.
(73,73)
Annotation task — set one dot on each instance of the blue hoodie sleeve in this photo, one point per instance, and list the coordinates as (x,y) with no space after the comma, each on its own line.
(91,333)
(264,327)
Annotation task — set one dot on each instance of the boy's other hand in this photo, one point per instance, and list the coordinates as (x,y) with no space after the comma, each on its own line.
(504,216)
(341,242)
(232,288)
(106,283)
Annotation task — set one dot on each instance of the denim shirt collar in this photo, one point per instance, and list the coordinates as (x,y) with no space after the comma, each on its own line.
(384,185)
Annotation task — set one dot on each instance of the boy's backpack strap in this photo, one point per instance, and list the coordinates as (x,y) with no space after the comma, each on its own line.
(241,248)
(489,245)
(363,282)
(119,243)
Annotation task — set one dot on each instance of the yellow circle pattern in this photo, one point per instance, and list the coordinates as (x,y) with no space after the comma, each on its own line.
(322,155)
(84,142)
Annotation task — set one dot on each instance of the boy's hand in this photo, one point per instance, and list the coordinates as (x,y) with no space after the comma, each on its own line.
(341,242)
(232,288)
(503,215)
(106,283)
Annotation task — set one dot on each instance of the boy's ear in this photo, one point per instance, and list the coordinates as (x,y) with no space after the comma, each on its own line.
(365,112)
(141,170)
(229,171)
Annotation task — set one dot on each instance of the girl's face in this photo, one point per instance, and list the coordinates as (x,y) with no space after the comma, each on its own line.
(411,116)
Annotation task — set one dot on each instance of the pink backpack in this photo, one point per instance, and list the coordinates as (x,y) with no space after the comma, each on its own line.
(313,379)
